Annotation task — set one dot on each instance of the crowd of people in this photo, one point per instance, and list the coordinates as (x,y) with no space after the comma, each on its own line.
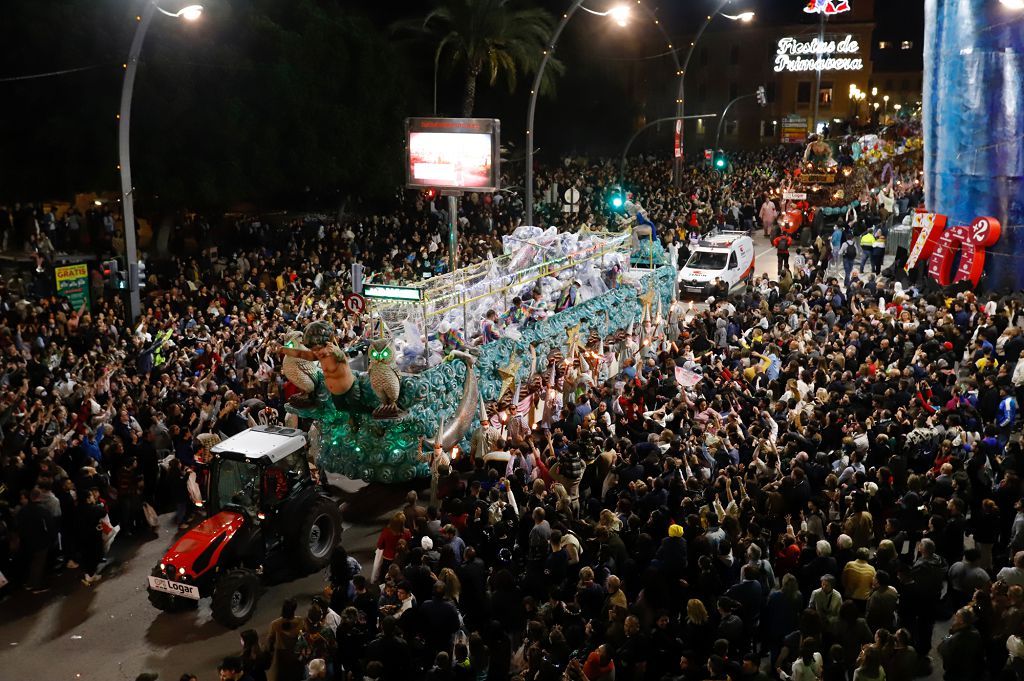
(844,474)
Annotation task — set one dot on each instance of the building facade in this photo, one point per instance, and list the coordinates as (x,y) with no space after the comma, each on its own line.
(733,59)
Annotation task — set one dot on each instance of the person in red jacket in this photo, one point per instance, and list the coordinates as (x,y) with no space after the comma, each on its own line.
(394,532)
(782,243)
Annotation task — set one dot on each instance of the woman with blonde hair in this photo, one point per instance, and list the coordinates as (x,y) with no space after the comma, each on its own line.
(699,632)
(782,614)
(452,585)
(563,504)
(609,521)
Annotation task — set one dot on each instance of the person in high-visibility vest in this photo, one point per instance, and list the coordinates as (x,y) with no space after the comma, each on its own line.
(867,242)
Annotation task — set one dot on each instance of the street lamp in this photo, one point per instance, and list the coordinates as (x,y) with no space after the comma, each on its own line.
(618,14)
(874,92)
(856,97)
(677,161)
(187,13)
(886,111)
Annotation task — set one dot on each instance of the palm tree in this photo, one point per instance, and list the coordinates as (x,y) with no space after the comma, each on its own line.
(493,38)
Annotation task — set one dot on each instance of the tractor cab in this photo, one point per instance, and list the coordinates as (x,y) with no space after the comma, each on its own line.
(261,500)
(256,470)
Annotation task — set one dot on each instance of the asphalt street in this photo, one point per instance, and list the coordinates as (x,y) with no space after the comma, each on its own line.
(110,632)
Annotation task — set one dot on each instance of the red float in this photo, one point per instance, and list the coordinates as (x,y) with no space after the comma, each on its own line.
(791,223)
(970,242)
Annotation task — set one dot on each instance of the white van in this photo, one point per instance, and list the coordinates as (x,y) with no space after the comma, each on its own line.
(728,256)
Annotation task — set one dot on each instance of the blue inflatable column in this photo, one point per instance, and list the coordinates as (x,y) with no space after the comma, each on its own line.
(974,123)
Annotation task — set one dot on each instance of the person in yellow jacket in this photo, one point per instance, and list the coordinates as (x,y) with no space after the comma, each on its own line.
(867,242)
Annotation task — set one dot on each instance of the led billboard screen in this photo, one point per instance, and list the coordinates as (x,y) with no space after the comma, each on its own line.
(453,153)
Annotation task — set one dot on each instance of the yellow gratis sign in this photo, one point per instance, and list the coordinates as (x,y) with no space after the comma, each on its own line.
(73,284)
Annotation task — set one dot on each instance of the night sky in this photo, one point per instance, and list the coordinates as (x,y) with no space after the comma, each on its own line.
(206,118)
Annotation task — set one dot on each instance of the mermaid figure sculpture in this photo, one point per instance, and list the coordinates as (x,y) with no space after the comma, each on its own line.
(321,346)
(647,249)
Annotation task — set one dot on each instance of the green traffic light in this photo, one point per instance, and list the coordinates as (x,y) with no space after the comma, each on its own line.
(616,202)
(720,163)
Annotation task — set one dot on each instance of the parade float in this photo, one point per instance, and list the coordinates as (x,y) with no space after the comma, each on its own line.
(434,388)
(822,184)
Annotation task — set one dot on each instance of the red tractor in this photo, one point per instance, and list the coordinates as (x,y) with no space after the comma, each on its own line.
(262,500)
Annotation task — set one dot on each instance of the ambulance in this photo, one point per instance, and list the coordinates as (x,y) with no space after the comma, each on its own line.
(728,256)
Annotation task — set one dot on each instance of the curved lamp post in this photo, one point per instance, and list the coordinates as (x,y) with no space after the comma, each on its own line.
(721,119)
(188,13)
(619,14)
(677,160)
(648,126)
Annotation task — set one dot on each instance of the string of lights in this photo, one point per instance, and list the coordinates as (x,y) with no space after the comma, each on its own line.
(52,74)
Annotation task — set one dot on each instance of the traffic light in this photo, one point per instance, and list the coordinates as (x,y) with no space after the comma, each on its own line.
(113,276)
(138,276)
(762,97)
(617,201)
(109,271)
(721,162)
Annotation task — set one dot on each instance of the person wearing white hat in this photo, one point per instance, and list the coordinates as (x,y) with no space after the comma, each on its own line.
(1014,668)
(317,669)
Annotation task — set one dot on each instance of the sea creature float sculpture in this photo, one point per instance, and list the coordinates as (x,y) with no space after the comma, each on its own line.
(442,405)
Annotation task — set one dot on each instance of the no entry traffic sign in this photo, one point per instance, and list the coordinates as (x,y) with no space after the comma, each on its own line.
(355,303)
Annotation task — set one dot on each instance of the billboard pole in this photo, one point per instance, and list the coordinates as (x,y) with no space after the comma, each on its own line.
(453,232)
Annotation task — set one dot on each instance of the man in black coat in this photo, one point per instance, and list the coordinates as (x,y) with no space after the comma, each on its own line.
(922,591)
(392,651)
(440,620)
(37,529)
(962,651)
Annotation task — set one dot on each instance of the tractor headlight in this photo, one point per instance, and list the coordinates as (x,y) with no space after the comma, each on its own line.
(163,567)
(181,571)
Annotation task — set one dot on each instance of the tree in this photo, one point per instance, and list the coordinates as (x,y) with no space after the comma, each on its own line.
(493,38)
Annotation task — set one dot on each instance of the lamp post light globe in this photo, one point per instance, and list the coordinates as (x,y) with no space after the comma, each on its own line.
(188,13)
(191,13)
(619,14)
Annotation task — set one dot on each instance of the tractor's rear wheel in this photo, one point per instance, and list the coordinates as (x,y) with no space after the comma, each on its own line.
(318,533)
(235,596)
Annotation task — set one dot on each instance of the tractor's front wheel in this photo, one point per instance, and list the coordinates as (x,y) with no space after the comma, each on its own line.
(318,533)
(235,596)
